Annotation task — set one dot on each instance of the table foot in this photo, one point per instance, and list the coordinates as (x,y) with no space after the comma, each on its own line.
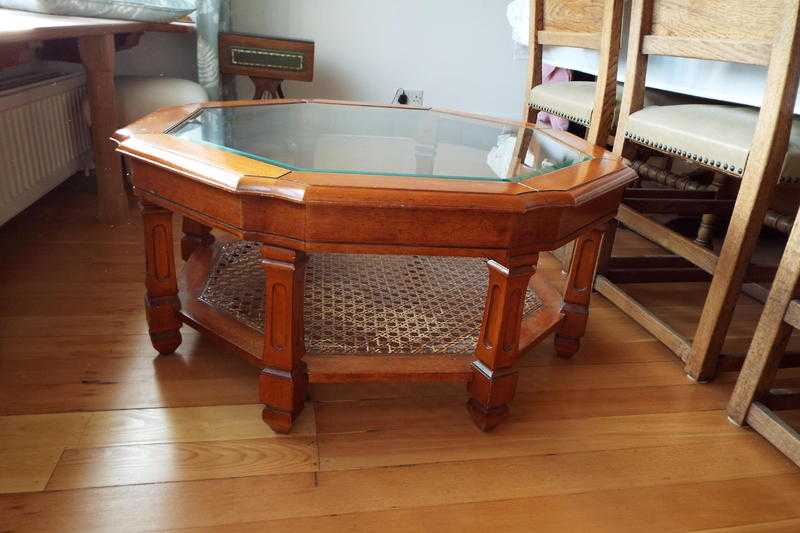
(283,395)
(490,393)
(162,313)
(566,347)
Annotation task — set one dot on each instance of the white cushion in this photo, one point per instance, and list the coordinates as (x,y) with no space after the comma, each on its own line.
(718,136)
(144,10)
(138,96)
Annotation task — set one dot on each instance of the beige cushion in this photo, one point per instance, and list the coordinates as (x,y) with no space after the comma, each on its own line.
(138,96)
(574,100)
(715,135)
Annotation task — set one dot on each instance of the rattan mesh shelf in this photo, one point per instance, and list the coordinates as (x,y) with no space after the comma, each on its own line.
(366,304)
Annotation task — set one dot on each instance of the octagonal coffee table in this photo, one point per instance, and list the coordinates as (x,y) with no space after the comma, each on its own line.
(357,240)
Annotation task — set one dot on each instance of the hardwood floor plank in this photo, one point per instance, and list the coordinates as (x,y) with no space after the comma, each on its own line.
(201,504)
(35,431)
(461,441)
(183,424)
(182,461)
(671,508)
(25,470)
(533,379)
(791,525)
(30,447)
(424,411)
(92,396)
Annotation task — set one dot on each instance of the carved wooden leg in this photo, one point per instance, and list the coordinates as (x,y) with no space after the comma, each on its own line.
(195,235)
(494,375)
(284,380)
(161,302)
(577,293)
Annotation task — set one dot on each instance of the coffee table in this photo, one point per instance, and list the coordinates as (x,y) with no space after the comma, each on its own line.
(363,242)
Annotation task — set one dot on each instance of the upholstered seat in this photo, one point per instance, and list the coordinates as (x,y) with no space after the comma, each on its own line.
(714,135)
(138,96)
(574,100)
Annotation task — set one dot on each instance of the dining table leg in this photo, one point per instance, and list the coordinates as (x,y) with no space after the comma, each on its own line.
(284,379)
(97,55)
(494,373)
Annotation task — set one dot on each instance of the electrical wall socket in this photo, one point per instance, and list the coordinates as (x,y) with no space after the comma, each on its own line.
(414,96)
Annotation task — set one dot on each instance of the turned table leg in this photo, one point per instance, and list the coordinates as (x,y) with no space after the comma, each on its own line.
(161,302)
(494,375)
(284,379)
(577,293)
(195,235)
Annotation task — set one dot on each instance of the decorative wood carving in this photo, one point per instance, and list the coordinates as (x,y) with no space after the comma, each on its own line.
(578,292)
(161,302)
(494,377)
(284,379)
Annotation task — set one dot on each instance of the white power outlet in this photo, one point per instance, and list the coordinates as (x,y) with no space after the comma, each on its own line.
(414,97)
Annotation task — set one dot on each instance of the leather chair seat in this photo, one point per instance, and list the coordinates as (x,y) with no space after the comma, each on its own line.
(574,100)
(717,136)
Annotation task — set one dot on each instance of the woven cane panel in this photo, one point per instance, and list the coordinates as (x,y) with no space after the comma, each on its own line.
(366,304)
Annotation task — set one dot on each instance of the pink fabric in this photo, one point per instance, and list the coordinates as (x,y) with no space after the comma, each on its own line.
(549,75)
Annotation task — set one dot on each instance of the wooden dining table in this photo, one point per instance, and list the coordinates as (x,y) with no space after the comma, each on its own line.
(96,44)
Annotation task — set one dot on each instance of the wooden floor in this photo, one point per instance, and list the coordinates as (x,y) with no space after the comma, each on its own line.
(97,433)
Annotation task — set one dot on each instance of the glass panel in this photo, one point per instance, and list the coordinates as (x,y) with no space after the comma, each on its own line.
(377,140)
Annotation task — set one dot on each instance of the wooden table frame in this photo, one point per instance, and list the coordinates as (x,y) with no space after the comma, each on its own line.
(294,213)
(97,53)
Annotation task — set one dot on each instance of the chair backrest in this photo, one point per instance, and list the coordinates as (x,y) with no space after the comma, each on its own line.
(592,24)
(741,31)
(725,30)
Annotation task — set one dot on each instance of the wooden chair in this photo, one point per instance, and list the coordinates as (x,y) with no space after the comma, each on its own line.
(593,24)
(752,401)
(730,141)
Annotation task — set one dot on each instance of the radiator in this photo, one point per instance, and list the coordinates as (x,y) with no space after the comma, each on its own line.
(44,138)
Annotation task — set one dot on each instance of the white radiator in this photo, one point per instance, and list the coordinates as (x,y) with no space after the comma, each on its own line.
(44,138)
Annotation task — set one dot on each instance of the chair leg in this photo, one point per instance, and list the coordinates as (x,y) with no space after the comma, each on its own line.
(771,336)
(709,222)
(734,260)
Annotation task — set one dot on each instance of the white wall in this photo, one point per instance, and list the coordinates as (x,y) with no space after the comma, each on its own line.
(459,52)
(160,54)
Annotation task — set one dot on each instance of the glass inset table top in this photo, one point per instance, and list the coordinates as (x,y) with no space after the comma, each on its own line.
(354,139)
